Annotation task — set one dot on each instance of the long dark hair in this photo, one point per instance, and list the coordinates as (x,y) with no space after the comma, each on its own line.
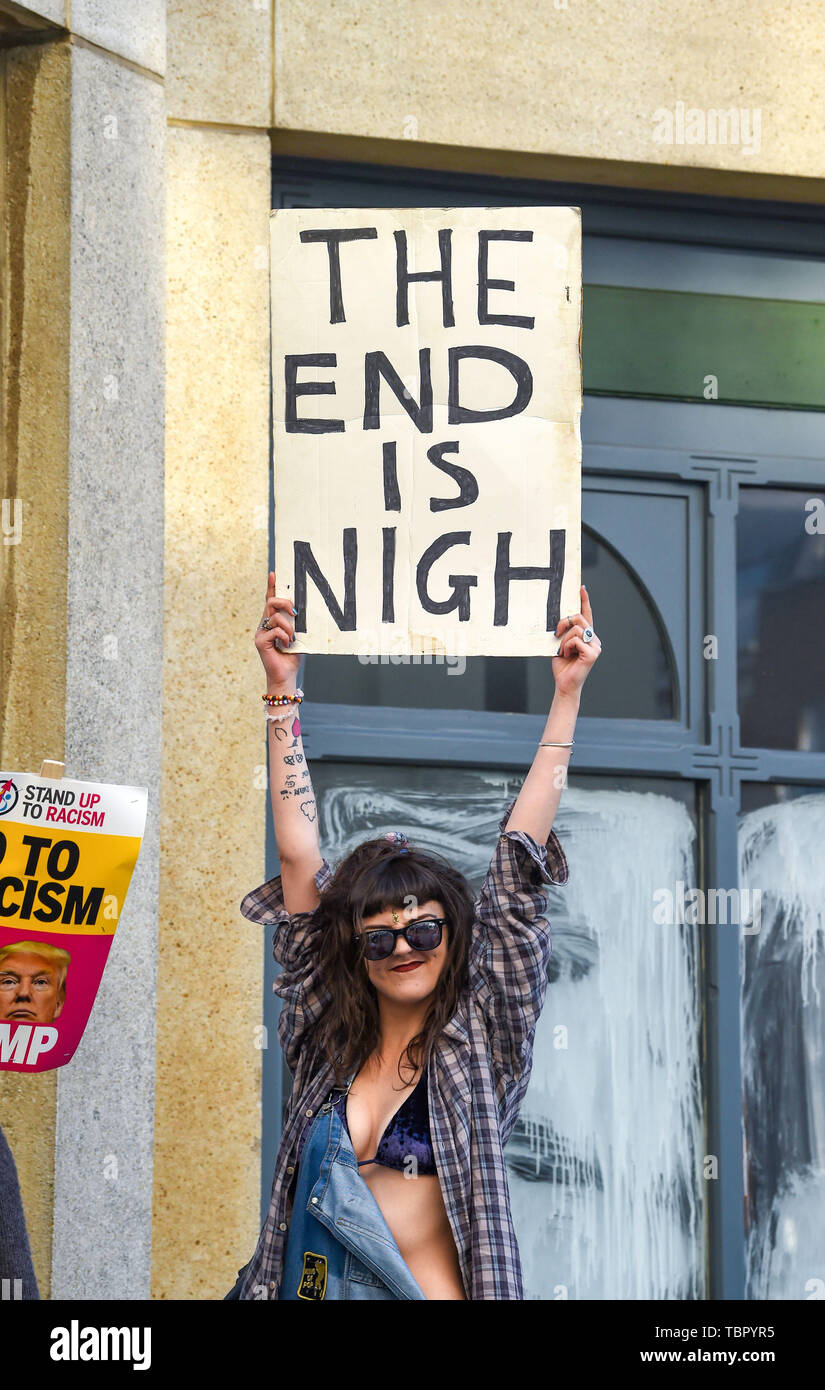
(372,877)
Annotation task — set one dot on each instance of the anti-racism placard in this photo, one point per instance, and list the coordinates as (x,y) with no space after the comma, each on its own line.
(67,851)
(427,401)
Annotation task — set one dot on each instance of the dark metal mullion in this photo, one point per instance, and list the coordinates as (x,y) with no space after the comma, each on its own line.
(723,1088)
(635,438)
(435,722)
(334,732)
(785,765)
(441,737)
(696,703)
(345,733)
(680,466)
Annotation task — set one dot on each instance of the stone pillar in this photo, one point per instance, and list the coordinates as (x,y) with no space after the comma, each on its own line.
(208,1089)
(114,642)
(84,377)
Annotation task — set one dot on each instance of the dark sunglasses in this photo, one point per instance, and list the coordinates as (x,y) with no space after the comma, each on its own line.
(379,942)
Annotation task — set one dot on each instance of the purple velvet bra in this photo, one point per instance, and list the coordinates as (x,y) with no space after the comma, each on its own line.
(407,1134)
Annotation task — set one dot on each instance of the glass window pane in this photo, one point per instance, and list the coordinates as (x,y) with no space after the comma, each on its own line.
(633,680)
(780,603)
(783,1028)
(605,1162)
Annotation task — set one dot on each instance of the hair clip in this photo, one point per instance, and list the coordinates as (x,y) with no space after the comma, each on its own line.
(398,838)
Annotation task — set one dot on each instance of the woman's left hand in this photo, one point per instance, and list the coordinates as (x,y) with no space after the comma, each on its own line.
(575,658)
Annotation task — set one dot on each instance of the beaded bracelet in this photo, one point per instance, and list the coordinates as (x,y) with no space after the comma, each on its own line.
(287,714)
(284,699)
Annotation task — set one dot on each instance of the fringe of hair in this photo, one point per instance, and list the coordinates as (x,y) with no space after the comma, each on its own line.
(373,877)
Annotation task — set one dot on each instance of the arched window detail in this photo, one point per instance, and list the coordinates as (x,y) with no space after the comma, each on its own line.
(638,678)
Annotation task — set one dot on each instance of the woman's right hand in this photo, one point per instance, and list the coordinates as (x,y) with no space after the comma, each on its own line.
(281,666)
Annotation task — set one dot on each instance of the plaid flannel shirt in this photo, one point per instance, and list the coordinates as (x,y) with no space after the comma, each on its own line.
(479,1069)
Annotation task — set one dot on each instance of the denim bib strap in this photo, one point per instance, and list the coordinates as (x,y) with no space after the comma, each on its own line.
(339,1245)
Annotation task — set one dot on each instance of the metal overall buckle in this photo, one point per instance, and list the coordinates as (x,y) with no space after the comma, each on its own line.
(329,1103)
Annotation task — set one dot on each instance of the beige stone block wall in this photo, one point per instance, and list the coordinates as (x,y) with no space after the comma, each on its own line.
(131,30)
(34,439)
(219,61)
(210,964)
(562,88)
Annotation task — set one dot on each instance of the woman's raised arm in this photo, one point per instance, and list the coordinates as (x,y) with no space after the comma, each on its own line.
(294,812)
(538,801)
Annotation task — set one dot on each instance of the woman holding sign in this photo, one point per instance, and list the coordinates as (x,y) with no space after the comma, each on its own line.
(409,1011)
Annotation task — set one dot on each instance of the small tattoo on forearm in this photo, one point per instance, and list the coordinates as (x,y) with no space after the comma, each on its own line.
(309,810)
(290,790)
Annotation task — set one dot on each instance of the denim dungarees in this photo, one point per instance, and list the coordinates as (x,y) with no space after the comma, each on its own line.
(339,1245)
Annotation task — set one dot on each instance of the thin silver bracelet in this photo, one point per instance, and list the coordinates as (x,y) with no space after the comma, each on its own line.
(548,744)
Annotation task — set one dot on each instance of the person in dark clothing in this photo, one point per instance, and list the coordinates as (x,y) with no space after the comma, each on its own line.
(17,1277)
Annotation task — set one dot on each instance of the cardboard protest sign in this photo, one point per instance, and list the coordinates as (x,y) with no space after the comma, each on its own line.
(67,851)
(427,403)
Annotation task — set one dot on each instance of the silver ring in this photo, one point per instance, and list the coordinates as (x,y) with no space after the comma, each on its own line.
(265,624)
(588,634)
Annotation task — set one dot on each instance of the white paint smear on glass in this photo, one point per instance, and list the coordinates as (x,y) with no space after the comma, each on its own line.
(606,1161)
(783,1049)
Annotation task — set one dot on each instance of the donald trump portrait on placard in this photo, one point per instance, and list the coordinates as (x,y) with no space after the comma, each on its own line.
(32,981)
